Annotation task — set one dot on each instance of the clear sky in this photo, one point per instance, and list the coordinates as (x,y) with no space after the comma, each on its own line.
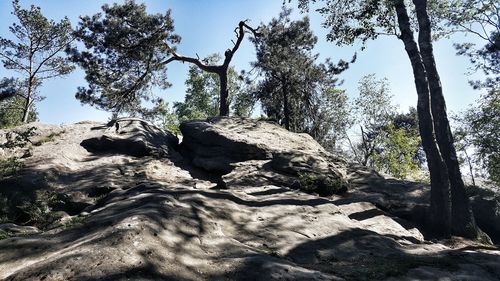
(207,26)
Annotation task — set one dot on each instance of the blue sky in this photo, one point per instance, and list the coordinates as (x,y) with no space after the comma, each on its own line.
(208,26)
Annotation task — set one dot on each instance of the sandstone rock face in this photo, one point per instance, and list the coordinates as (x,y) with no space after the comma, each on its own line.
(134,137)
(231,140)
(154,216)
(228,145)
(487,213)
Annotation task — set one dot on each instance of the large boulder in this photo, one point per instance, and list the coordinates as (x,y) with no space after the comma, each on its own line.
(231,146)
(134,137)
(218,142)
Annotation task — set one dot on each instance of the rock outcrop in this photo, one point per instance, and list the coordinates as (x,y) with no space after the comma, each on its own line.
(134,137)
(487,213)
(234,146)
(109,214)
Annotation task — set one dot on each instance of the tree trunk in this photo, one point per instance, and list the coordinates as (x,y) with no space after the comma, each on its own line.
(224,94)
(366,152)
(462,220)
(469,162)
(26,111)
(27,105)
(286,109)
(440,210)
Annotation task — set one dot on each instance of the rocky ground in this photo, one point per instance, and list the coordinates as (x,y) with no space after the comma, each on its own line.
(237,200)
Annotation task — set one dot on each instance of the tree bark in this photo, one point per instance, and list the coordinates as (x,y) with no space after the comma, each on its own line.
(27,105)
(469,162)
(440,209)
(462,219)
(224,94)
(26,111)
(286,108)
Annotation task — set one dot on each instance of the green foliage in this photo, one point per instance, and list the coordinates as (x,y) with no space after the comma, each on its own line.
(36,211)
(479,129)
(34,54)
(398,155)
(18,138)
(4,209)
(75,222)
(11,112)
(3,235)
(9,166)
(202,95)
(295,89)
(480,19)
(372,111)
(332,117)
(390,141)
(349,21)
(171,122)
(124,54)
(39,212)
(373,105)
(323,185)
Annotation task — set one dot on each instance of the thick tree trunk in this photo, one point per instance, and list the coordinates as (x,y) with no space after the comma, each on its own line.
(440,210)
(463,223)
(224,94)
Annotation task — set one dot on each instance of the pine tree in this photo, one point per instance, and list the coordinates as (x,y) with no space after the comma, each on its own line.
(35,53)
(127,52)
(295,89)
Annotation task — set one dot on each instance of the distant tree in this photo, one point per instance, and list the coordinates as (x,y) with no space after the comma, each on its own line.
(389,141)
(373,112)
(170,121)
(12,104)
(34,53)
(463,143)
(202,96)
(349,21)
(331,118)
(11,113)
(398,152)
(408,121)
(476,137)
(294,89)
(479,131)
(127,52)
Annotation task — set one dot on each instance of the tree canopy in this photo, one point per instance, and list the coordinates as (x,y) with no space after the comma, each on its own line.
(127,52)
(34,53)
(124,56)
(294,89)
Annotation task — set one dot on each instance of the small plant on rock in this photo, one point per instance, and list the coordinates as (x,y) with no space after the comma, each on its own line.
(324,185)
(19,139)
(9,166)
(49,138)
(75,221)
(39,212)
